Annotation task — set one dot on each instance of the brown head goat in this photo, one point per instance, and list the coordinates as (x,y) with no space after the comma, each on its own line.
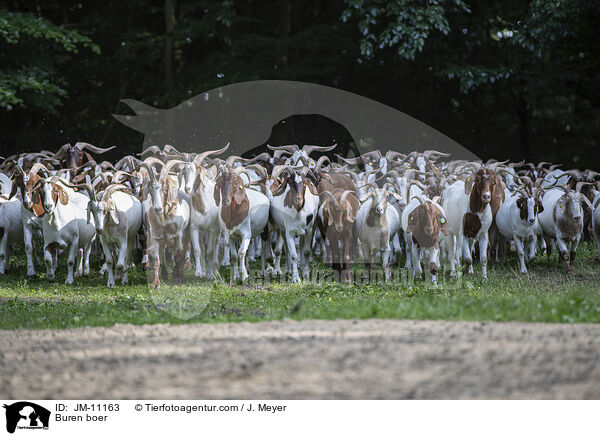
(335,219)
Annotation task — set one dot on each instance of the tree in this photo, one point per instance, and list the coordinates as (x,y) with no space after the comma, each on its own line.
(32,51)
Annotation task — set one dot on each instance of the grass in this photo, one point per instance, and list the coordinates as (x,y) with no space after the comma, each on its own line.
(546,294)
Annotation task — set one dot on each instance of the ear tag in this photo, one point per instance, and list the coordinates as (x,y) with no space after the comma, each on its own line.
(442,220)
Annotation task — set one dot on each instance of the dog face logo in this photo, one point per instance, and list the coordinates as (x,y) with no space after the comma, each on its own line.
(245,115)
(26,415)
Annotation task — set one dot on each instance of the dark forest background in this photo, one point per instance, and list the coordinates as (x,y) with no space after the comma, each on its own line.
(506,79)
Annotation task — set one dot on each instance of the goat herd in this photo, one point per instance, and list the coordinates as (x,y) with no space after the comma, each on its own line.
(174,206)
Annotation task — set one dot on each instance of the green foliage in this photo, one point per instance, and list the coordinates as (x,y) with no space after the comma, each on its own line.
(507,79)
(30,75)
(404,25)
(472,76)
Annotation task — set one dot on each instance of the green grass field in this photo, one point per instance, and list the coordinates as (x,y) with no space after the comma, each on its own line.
(546,294)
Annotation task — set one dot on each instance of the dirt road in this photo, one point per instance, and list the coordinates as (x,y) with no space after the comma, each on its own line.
(308,359)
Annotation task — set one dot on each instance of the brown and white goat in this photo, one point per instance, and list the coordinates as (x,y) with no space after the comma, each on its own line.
(335,219)
(243,214)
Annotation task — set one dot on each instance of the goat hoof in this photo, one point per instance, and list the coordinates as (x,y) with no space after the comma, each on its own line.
(69,281)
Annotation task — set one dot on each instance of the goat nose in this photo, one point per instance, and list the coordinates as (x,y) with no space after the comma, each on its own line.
(486,196)
(380,210)
(577,218)
(531,220)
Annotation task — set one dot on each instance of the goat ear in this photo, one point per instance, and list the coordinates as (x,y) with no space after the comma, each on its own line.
(468,185)
(586,201)
(442,220)
(113,214)
(62,195)
(520,202)
(217,193)
(539,208)
(413,221)
(281,188)
(88,157)
(197,183)
(14,189)
(328,210)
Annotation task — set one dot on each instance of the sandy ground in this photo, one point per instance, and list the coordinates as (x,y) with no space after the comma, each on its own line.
(309,359)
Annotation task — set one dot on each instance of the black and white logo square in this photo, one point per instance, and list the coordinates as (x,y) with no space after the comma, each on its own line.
(26,415)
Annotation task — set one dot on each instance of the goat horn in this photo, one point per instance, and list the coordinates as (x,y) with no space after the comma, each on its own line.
(391,173)
(329,194)
(111,189)
(345,194)
(390,155)
(353,160)
(200,157)
(164,172)
(288,148)
(433,154)
(92,148)
(320,163)
(151,161)
(89,189)
(61,151)
(148,169)
(308,149)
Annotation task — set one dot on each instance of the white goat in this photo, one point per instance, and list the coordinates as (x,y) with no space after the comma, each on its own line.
(424,225)
(11,228)
(243,214)
(376,223)
(294,208)
(65,225)
(118,218)
(562,220)
(517,221)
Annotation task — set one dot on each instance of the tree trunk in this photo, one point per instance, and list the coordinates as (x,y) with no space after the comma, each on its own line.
(169,73)
(523,113)
(285,24)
